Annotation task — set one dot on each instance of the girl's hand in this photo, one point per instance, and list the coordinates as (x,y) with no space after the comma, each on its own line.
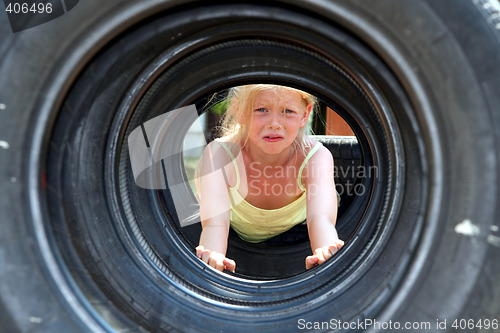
(215,259)
(322,254)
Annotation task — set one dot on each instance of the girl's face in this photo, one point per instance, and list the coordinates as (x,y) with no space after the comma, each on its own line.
(277,116)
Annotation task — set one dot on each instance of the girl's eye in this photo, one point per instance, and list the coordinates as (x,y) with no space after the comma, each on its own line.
(288,111)
(261,109)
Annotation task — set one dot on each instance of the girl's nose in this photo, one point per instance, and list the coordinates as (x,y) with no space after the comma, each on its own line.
(275,122)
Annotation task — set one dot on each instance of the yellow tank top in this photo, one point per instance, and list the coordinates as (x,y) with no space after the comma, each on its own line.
(255,224)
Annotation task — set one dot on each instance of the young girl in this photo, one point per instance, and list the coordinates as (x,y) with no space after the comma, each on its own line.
(265,176)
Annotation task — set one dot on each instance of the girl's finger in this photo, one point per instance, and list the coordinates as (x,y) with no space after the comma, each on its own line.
(319,253)
(311,261)
(218,263)
(332,249)
(230,264)
(199,251)
(325,254)
(205,256)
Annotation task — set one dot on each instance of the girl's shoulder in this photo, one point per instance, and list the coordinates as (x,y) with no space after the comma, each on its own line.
(228,144)
(221,152)
(319,166)
(311,146)
(316,154)
(228,139)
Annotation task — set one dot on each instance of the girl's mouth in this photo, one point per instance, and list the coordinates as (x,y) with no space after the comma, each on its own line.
(273,138)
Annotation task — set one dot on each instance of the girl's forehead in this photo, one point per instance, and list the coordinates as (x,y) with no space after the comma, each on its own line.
(278,95)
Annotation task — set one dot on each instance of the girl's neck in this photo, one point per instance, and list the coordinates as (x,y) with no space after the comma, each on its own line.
(284,158)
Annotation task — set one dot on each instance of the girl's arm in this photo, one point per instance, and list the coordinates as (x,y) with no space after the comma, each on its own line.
(321,208)
(214,208)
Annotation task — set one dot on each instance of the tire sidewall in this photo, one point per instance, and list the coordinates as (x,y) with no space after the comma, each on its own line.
(456,89)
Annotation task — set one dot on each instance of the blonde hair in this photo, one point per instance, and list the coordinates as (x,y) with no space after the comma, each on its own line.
(238,114)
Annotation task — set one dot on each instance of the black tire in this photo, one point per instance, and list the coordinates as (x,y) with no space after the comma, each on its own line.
(82,248)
